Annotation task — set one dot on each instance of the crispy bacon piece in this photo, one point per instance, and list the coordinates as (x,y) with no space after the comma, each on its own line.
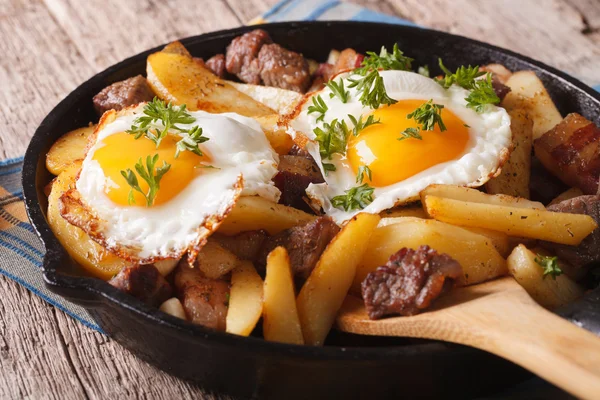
(571,151)
(295,174)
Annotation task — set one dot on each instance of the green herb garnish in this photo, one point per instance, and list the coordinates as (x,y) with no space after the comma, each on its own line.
(424,70)
(428,115)
(409,133)
(372,90)
(148,174)
(355,198)
(463,77)
(332,138)
(318,106)
(338,90)
(327,167)
(483,93)
(363,170)
(385,61)
(190,141)
(550,265)
(359,125)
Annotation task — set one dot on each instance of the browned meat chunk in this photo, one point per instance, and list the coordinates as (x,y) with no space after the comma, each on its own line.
(283,68)
(294,176)
(204,300)
(245,245)
(143,282)
(217,65)
(304,244)
(241,57)
(123,94)
(322,75)
(588,251)
(409,282)
(571,151)
(299,151)
(348,59)
(500,88)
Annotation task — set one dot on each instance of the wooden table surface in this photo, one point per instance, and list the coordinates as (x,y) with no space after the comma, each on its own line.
(49,47)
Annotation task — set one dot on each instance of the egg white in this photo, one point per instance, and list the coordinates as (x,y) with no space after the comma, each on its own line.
(488,146)
(237,146)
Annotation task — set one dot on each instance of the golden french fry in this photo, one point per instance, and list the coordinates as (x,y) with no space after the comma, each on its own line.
(245,299)
(323,293)
(254,212)
(173,307)
(280,315)
(514,221)
(549,292)
(473,195)
(476,253)
(69,148)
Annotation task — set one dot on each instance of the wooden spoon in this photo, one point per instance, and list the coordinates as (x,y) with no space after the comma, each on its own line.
(501,318)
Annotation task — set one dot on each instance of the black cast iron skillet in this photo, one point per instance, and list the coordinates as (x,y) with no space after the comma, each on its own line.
(350,366)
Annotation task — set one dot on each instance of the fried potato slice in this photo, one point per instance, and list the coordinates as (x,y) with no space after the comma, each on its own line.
(214,260)
(173,307)
(69,148)
(175,76)
(253,213)
(87,253)
(514,177)
(280,315)
(514,221)
(323,293)
(245,300)
(473,195)
(476,253)
(528,92)
(566,195)
(281,100)
(548,292)
(280,141)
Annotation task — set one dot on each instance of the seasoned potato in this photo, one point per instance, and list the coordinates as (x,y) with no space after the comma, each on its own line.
(254,212)
(280,141)
(175,76)
(214,260)
(566,195)
(173,307)
(514,221)
(514,178)
(245,299)
(281,100)
(528,91)
(280,315)
(323,293)
(473,195)
(549,292)
(499,240)
(69,148)
(499,71)
(476,253)
(89,254)
(408,211)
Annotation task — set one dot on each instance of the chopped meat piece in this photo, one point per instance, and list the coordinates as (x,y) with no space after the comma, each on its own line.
(304,244)
(348,59)
(217,65)
(283,68)
(500,88)
(588,251)
(241,57)
(322,75)
(409,282)
(571,151)
(123,94)
(143,282)
(299,151)
(245,245)
(294,176)
(204,300)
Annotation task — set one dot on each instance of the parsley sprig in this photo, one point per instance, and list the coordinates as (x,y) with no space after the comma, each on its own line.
(332,139)
(385,61)
(463,77)
(550,265)
(362,171)
(319,107)
(428,115)
(148,174)
(355,198)
(408,133)
(337,89)
(482,94)
(372,90)
(169,116)
(359,125)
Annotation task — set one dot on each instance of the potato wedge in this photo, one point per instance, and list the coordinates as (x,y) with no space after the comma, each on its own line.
(473,195)
(514,221)
(69,148)
(514,177)
(499,240)
(245,299)
(280,315)
(566,195)
(548,292)
(281,100)
(173,307)
(87,253)
(175,76)
(499,71)
(254,212)
(528,92)
(280,141)
(215,261)
(476,253)
(325,289)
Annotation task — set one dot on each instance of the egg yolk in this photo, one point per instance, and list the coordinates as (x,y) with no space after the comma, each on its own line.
(122,151)
(391,160)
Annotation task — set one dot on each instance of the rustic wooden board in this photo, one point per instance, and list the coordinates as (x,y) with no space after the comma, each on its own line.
(51,46)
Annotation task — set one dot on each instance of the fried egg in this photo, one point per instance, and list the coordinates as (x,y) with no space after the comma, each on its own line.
(195,194)
(469,152)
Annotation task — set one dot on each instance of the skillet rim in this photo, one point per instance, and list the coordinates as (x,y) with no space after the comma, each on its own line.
(92,292)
